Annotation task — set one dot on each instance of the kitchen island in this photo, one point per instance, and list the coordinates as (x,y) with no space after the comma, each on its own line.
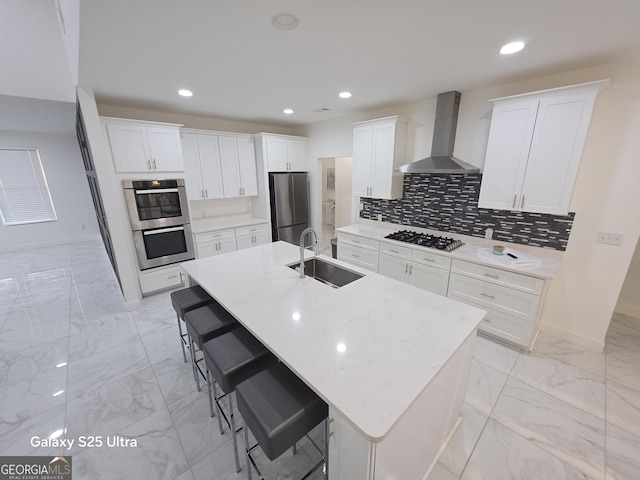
(390,360)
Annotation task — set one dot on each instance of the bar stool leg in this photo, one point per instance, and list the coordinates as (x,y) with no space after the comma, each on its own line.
(215,396)
(246,447)
(233,430)
(209,392)
(325,466)
(184,354)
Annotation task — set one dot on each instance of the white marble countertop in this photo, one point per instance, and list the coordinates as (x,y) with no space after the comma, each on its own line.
(395,337)
(211,224)
(469,252)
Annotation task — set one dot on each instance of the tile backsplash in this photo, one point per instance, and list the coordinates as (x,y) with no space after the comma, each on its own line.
(449,203)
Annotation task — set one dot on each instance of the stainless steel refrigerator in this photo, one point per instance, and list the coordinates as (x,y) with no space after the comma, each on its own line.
(289,194)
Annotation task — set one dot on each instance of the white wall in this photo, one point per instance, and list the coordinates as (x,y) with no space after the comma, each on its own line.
(64,171)
(582,297)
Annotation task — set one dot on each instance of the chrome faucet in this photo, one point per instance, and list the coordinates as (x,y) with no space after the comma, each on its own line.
(315,248)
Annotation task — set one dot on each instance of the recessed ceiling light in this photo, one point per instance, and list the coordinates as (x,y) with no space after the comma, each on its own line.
(288,111)
(285,21)
(344,94)
(185,93)
(512,47)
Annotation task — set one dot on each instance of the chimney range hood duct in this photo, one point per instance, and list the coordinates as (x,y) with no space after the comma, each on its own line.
(444,135)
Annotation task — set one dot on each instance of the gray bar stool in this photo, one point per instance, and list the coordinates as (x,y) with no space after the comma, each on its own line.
(203,324)
(185,300)
(232,358)
(280,409)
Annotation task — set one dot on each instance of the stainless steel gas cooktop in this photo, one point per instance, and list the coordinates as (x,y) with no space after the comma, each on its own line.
(425,240)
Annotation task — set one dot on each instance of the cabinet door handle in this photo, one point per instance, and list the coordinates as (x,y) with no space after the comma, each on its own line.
(149,165)
(488,296)
(410,270)
(243,193)
(206,193)
(513,205)
(522,202)
(406,268)
(155,167)
(491,276)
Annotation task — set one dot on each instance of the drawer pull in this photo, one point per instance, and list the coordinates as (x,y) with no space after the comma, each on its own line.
(428,259)
(355,256)
(488,320)
(491,276)
(394,251)
(488,296)
(172,276)
(356,241)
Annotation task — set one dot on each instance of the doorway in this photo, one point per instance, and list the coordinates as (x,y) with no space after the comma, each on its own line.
(335,186)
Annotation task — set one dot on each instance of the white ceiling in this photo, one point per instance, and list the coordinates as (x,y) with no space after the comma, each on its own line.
(138,53)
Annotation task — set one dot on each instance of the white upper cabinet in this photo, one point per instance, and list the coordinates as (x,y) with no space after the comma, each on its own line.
(219,165)
(282,153)
(534,149)
(202,169)
(379,147)
(238,161)
(143,146)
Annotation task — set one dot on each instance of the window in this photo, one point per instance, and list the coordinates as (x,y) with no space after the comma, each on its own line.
(24,194)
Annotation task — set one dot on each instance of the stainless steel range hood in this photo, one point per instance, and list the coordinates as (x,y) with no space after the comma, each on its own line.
(444,136)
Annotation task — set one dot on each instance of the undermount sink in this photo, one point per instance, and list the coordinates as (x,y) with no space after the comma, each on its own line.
(328,273)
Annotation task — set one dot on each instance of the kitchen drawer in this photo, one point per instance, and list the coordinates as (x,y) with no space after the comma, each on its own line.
(358,256)
(360,242)
(488,295)
(504,327)
(215,236)
(431,259)
(259,229)
(395,250)
(517,281)
(161,279)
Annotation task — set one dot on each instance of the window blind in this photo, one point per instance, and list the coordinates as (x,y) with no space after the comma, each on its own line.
(24,193)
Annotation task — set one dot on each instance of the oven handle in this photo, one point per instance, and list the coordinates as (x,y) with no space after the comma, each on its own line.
(162,230)
(157,190)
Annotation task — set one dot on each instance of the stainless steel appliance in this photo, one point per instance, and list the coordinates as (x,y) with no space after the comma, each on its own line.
(159,215)
(289,194)
(425,240)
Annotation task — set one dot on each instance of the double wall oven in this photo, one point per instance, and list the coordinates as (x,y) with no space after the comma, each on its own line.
(159,215)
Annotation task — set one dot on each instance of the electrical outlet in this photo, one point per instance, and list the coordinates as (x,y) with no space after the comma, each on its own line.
(379,217)
(83,227)
(488,233)
(610,238)
(361,206)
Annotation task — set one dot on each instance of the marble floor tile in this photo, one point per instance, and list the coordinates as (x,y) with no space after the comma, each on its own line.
(101,333)
(163,343)
(188,475)
(484,386)
(494,354)
(625,323)
(570,434)
(440,472)
(153,317)
(17,439)
(157,456)
(571,353)
(198,431)
(622,454)
(115,406)
(22,364)
(573,385)
(502,454)
(175,378)
(623,359)
(27,398)
(105,367)
(623,407)
(464,440)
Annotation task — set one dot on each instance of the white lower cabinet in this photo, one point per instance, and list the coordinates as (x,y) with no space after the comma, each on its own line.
(215,243)
(359,251)
(421,269)
(252,236)
(161,278)
(513,301)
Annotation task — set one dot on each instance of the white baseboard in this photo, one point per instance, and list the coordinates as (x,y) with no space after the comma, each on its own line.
(49,243)
(586,341)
